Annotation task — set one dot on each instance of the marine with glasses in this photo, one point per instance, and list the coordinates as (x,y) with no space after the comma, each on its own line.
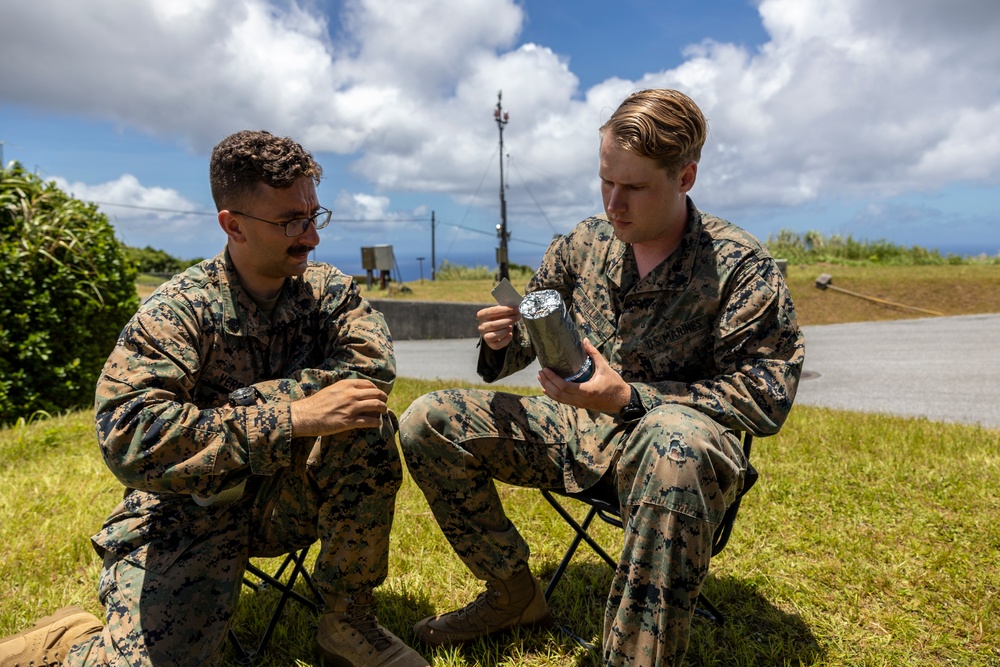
(244,411)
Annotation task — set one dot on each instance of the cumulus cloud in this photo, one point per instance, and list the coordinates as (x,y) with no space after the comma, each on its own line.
(144,215)
(851,97)
(846,99)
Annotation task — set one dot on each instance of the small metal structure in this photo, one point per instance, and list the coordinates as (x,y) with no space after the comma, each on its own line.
(378,258)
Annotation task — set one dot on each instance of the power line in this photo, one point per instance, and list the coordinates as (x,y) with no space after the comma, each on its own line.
(172,210)
(524,182)
(535,243)
(380,219)
(472,200)
(480,231)
(153,208)
(345,220)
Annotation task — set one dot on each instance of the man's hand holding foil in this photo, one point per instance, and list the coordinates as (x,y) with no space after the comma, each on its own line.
(496,325)
(605,391)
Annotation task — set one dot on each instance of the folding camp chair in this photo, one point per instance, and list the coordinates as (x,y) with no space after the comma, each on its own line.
(291,569)
(603,502)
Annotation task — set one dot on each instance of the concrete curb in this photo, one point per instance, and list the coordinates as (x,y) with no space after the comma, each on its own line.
(429,320)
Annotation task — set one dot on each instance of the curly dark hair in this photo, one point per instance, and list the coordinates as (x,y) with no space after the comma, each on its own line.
(243,160)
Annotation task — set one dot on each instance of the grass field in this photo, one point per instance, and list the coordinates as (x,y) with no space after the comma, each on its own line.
(869,540)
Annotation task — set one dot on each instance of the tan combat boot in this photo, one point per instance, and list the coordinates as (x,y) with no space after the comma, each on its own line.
(49,640)
(518,601)
(349,635)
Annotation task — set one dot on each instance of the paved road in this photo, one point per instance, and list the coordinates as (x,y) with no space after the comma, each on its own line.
(943,368)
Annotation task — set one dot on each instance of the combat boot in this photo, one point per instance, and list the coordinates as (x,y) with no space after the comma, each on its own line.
(517,602)
(49,640)
(349,635)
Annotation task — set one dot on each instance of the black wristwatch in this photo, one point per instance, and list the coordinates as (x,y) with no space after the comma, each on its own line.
(634,409)
(244,396)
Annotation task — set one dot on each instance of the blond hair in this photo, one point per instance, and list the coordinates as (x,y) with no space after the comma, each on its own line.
(662,124)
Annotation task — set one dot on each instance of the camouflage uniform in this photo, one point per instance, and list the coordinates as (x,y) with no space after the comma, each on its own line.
(710,341)
(211,480)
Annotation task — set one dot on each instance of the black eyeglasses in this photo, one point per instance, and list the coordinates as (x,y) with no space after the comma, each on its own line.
(298,226)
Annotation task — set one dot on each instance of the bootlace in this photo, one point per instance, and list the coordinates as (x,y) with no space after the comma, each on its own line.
(360,617)
(483,600)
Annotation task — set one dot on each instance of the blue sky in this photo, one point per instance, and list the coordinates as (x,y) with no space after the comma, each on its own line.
(874,118)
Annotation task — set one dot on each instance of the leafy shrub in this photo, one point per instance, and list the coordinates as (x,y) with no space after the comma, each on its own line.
(68,289)
(151,260)
(812,247)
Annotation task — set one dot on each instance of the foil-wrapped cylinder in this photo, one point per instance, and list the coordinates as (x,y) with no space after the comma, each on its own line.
(554,336)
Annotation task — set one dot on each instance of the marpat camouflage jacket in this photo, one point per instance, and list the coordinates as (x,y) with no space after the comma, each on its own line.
(712,327)
(165,424)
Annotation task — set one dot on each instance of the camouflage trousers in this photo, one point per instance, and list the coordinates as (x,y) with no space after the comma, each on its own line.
(676,471)
(174,607)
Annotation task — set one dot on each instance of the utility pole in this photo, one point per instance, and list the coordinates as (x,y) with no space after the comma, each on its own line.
(502,117)
(433,259)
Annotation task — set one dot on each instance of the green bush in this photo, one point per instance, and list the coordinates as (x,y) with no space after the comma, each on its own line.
(812,248)
(68,289)
(151,260)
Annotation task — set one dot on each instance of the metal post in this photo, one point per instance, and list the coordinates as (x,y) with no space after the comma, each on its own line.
(433,260)
(502,117)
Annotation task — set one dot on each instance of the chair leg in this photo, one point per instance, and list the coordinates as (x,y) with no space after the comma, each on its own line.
(280,606)
(296,560)
(581,535)
(241,656)
(709,611)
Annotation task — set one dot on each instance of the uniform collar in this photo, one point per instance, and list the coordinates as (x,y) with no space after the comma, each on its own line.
(242,317)
(673,273)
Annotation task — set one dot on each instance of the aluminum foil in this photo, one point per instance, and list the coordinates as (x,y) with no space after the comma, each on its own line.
(554,336)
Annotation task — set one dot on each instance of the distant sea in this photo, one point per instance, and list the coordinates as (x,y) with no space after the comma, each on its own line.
(410,269)
(970,249)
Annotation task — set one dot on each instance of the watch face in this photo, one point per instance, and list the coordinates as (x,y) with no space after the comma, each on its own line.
(634,409)
(244,396)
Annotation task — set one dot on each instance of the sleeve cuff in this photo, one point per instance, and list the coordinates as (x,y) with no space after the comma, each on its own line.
(269,437)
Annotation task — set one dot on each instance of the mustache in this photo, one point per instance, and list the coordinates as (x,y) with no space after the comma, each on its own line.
(299,249)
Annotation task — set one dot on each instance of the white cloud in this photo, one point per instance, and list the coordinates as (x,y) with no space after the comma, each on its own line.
(144,215)
(849,98)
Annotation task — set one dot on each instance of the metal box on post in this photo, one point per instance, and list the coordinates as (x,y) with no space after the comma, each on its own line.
(378,258)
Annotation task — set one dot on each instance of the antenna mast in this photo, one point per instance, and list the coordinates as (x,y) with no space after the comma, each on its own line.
(502,117)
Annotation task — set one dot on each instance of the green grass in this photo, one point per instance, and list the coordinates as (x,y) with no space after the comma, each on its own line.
(869,540)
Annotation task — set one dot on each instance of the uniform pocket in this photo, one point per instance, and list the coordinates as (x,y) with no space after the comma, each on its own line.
(593,324)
